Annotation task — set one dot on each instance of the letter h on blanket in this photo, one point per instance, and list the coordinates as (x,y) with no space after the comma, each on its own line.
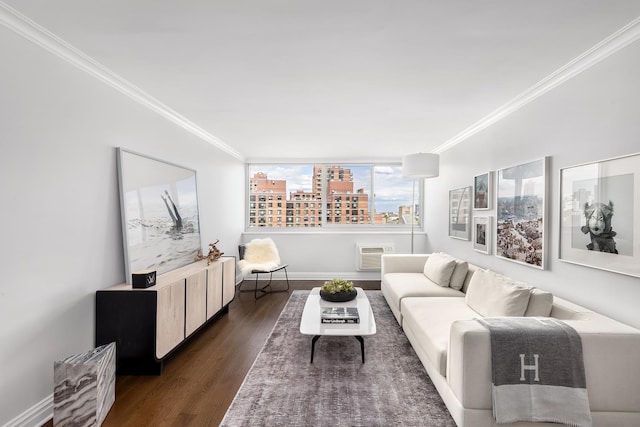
(535,367)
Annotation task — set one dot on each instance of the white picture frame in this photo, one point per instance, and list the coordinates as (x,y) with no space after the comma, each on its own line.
(483,191)
(607,192)
(482,232)
(460,213)
(521,213)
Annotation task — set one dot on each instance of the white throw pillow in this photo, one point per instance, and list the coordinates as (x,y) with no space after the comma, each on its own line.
(459,272)
(491,295)
(540,303)
(438,269)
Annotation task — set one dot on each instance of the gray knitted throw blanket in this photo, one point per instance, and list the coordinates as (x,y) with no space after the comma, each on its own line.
(537,371)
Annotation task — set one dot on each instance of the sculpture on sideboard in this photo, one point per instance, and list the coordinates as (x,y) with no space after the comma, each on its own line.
(214,253)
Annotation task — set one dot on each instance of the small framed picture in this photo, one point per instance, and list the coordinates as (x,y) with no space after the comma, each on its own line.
(483,191)
(460,213)
(482,230)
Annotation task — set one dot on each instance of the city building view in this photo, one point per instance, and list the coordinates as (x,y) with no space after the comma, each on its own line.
(339,198)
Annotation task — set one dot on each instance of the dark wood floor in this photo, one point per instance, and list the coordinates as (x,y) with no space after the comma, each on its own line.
(202,376)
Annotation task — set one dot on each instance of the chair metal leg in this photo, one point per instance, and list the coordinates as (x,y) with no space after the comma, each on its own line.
(262,289)
(287,277)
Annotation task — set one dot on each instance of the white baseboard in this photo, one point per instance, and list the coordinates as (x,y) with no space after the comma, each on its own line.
(359,275)
(35,416)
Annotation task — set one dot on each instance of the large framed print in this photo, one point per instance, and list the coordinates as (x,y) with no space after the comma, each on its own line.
(520,225)
(483,191)
(482,230)
(600,215)
(460,213)
(159,211)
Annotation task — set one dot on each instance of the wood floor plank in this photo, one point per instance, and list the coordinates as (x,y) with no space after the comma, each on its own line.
(201,378)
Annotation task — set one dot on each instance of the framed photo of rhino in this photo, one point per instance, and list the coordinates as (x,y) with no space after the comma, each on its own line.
(600,215)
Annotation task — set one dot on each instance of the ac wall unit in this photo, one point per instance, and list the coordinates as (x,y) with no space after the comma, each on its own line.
(369,256)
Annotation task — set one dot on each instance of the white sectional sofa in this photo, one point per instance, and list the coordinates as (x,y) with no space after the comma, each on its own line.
(439,321)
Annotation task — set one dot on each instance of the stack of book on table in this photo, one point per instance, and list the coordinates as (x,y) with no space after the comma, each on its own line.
(339,315)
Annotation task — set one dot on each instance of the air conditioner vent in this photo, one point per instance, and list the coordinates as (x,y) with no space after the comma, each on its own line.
(376,250)
(369,256)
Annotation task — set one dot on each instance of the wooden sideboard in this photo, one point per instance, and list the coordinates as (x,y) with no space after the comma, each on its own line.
(147,324)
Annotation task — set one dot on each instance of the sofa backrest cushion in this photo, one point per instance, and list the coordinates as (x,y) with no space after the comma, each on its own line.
(472,269)
(491,294)
(459,272)
(540,303)
(439,269)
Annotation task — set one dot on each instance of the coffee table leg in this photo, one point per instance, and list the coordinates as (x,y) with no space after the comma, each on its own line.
(359,338)
(313,346)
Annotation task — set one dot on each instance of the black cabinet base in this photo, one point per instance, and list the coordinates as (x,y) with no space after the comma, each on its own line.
(138,367)
(128,319)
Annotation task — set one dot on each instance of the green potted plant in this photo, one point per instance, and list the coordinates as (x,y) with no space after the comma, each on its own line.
(338,290)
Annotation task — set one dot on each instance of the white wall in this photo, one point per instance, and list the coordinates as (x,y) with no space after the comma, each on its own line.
(323,255)
(592,117)
(61,238)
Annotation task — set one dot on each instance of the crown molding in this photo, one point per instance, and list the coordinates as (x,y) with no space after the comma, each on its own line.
(33,32)
(30,30)
(612,44)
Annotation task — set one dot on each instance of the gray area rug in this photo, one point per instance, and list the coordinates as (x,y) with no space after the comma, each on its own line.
(284,389)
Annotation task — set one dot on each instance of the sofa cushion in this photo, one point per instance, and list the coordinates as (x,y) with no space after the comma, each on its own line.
(439,269)
(459,272)
(491,294)
(467,280)
(540,303)
(403,285)
(430,320)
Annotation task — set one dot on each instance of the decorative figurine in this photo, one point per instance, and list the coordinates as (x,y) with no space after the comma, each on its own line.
(214,253)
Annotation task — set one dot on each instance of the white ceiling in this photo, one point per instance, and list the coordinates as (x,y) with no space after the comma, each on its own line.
(339,79)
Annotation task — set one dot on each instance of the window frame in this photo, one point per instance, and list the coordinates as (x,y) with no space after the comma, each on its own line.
(322,205)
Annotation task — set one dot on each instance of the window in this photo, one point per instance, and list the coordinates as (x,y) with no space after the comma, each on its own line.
(329,195)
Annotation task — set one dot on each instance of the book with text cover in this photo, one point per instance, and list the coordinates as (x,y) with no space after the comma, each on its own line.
(340,315)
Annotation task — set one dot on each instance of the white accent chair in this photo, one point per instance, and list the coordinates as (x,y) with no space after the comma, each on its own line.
(260,256)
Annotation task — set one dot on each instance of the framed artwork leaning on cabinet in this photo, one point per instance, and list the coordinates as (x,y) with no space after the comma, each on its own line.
(159,212)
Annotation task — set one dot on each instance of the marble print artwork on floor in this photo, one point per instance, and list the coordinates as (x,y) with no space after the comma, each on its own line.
(84,387)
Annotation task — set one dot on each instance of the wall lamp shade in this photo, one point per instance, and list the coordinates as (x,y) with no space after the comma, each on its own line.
(421,165)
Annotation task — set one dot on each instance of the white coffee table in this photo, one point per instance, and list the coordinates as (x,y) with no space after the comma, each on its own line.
(310,323)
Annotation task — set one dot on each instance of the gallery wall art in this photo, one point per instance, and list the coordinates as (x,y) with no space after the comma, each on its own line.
(520,210)
(482,231)
(600,215)
(483,191)
(460,213)
(159,204)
